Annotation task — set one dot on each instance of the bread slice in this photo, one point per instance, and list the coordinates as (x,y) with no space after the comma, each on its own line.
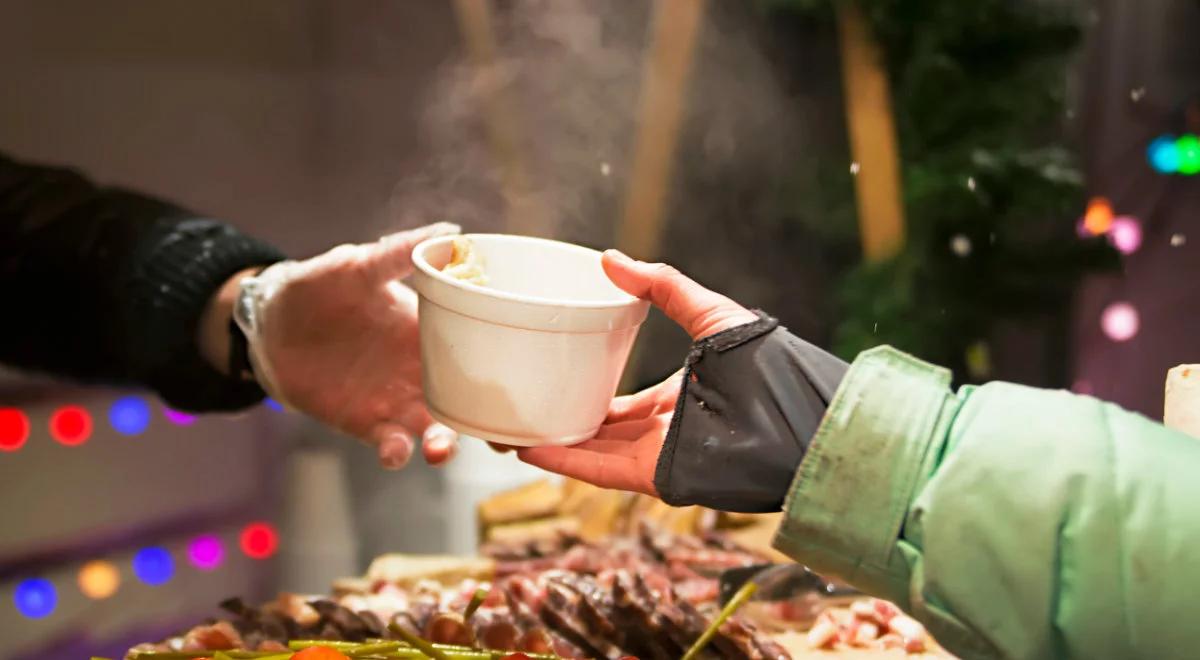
(407,570)
(533,530)
(598,511)
(540,499)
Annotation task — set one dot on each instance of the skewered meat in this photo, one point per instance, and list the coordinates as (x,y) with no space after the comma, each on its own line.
(869,623)
(218,636)
(649,596)
(449,628)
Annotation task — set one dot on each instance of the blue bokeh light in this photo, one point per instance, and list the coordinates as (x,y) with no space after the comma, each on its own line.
(129,415)
(273,404)
(153,565)
(35,597)
(1164,154)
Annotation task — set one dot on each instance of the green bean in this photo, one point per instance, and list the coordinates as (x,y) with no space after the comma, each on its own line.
(415,654)
(734,603)
(437,645)
(188,655)
(301,644)
(373,649)
(376,648)
(477,599)
(426,647)
(441,646)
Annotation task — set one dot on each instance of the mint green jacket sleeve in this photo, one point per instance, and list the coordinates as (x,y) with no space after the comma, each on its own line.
(1014,522)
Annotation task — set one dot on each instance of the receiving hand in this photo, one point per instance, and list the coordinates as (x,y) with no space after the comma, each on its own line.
(625,451)
(336,337)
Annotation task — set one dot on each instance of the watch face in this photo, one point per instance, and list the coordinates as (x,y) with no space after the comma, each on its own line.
(243,306)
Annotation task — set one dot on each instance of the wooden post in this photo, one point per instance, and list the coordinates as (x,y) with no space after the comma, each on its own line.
(524,213)
(871,123)
(665,76)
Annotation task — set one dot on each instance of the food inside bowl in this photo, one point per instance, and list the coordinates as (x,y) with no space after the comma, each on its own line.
(501,362)
(466,263)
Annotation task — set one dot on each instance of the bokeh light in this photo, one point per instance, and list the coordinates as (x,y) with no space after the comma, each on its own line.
(99,579)
(1126,234)
(14,429)
(273,404)
(1164,155)
(153,565)
(1188,147)
(259,540)
(35,598)
(1120,321)
(1171,155)
(979,360)
(206,552)
(129,415)
(960,245)
(71,425)
(1082,230)
(178,418)
(1099,217)
(1082,386)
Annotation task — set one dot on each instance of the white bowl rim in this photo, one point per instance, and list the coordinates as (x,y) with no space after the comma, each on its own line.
(418,258)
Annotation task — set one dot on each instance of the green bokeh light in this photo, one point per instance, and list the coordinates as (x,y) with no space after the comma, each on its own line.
(1189,154)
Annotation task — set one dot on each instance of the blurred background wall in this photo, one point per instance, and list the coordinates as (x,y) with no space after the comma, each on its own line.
(1141,80)
(293,121)
(316,122)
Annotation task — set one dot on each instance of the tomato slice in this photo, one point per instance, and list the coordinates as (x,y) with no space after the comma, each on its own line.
(320,653)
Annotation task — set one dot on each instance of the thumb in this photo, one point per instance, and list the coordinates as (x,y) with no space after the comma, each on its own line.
(393,253)
(393,443)
(697,310)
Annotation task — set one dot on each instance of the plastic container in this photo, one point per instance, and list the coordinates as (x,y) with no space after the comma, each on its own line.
(534,357)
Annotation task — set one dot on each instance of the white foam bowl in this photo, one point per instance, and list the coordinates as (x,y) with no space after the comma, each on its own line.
(533,358)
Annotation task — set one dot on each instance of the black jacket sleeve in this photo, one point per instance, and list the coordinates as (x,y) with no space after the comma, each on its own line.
(750,402)
(108,286)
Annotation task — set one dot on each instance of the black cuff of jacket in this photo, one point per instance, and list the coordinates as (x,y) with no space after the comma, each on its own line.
(750,401)
(175,274)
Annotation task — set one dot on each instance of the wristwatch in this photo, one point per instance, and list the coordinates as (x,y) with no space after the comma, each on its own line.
(240,364)
(239,353)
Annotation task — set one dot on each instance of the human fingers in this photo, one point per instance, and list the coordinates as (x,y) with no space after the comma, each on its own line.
(699,311)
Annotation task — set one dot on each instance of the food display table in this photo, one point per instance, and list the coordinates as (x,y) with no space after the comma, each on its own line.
(568,571)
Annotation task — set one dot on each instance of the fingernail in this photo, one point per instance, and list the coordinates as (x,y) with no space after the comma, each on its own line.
(447,447)
(440,439)
(439,432)
(395,452)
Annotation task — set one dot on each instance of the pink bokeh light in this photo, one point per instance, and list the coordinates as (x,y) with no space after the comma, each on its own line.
(206,552)
(1126,234)
(178,418)
(1120,321)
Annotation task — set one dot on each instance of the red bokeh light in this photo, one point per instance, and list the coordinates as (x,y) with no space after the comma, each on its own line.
(259,540)
(14,429)
(71,425)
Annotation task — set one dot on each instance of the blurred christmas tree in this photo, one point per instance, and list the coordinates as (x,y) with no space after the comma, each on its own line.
(990,190)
